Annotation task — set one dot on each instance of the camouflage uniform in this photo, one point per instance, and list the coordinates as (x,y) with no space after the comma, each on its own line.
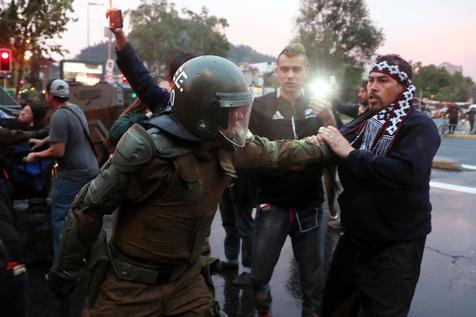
(167,191)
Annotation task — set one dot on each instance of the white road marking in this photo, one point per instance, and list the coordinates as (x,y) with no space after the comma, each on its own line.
(468,167)
(457,188)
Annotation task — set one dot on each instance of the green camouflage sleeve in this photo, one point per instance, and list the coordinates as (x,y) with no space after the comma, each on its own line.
(261,152)
(100,196)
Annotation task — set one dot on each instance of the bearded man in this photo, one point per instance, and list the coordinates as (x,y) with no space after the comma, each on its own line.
(384,163)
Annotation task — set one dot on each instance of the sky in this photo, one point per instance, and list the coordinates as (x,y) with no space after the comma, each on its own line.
(430,31)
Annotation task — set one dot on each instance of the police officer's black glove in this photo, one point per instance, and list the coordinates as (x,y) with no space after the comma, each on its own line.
(61,284)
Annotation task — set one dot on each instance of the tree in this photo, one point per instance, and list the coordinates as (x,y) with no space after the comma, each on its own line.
(204,33)
(96,53)
(246,54)
(436,83)
(429,79)
(237,54)
(339,38)
(458,90)
(30,25)
(159,31)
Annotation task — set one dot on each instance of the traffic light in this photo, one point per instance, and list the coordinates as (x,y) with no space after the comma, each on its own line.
(5,60)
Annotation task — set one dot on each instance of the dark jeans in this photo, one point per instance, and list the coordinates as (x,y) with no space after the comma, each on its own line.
(378,283)
(272,226)
(238,224)
(65,190)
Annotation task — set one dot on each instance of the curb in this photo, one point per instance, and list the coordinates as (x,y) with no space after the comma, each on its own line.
(446,164)
(461,136)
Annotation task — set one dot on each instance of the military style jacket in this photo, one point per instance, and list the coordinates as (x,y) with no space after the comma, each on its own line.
(167,191)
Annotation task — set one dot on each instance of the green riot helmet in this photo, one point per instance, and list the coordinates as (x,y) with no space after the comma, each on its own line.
(211,98)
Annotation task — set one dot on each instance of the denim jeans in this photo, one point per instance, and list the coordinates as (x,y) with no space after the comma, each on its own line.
(272,225)
(65,190)
(238,225)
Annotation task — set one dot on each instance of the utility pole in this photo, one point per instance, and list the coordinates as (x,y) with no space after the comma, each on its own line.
(87,16)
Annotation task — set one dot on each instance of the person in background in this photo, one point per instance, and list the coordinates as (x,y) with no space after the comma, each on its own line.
(356,109)
(137,111)
(453,114)
(236,206)
(289,201)
(70,145)
(470,115)
(28,124)
(28,180)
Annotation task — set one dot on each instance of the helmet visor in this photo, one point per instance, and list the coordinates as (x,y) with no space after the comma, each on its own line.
(237,127)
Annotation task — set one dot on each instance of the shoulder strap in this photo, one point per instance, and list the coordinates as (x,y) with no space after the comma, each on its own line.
(84,128)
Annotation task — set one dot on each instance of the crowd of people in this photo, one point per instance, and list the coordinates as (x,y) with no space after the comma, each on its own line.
(15,133)
(181,154)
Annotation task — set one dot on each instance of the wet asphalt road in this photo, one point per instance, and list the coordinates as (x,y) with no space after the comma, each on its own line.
(285,289)
(234,301)
(447,285)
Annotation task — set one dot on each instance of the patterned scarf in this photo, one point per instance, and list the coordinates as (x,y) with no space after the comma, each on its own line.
(380,130)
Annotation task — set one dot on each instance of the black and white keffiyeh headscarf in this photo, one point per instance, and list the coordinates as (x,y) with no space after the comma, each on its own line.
(380,130)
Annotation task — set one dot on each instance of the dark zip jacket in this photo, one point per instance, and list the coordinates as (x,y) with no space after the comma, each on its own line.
(275,118)
(386,199)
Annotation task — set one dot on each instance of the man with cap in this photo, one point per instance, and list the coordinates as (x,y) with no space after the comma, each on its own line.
(70,145)
(384,163)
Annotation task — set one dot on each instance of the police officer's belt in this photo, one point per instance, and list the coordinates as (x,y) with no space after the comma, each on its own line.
(130,270)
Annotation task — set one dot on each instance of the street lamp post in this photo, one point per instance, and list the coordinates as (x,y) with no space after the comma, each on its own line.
(109,43)
(87,16)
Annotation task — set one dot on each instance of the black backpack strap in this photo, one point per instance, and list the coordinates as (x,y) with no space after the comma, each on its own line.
(84,128)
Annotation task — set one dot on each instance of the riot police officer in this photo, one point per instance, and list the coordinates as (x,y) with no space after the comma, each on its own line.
(166,178)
